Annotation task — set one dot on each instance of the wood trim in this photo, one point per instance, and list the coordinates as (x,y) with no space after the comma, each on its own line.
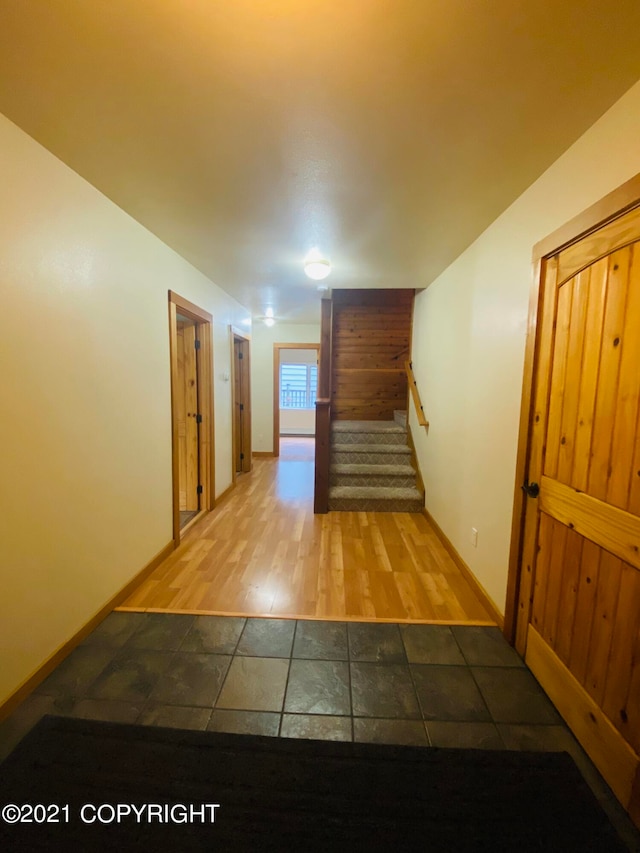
(276,400)
(472,580)
(410,351)
(611,528)
(246,401)
(614,204)
(517,518)
(247,437)
(206,404)
(189,308)
(326,334)
(263,453)
(413,387)
(276,388)
(204,360)
(323,456)
(175,452)
(616,234)
(606,747)
(232,380)
(529,454)
(307,617)
(45,669)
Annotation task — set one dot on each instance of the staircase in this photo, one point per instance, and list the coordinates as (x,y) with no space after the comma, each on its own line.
(371,467)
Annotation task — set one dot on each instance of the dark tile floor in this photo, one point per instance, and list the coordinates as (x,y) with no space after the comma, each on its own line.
(409,684)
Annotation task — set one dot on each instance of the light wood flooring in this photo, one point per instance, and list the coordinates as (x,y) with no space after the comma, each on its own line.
(262,551)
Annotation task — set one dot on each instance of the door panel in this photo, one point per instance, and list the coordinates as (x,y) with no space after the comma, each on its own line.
(241,405)
(580,588)
(181,410)
(191,404)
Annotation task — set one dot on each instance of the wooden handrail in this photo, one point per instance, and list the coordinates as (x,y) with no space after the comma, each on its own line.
(415,395)
(397,355)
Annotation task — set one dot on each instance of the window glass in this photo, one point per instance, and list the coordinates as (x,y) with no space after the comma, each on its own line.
(298,386)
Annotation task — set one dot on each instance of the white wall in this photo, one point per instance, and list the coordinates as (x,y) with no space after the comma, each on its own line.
(262,340)
(469,339)
(85,431)
(297,421)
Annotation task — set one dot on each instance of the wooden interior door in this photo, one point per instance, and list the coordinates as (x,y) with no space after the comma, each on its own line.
(187,407)
(580,598)
(241,405)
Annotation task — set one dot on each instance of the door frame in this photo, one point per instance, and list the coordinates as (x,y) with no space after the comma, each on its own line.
(276,387)
(206,436)
(234,335)
(519,582)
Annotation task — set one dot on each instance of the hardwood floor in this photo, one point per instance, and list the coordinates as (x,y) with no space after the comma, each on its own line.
(264,552)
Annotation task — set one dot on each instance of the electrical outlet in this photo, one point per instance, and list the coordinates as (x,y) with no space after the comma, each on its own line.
(474,537)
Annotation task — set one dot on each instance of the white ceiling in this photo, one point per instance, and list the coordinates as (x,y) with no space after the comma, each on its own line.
(243,132)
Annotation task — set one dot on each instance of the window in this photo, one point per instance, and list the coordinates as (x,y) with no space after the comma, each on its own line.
(298,386)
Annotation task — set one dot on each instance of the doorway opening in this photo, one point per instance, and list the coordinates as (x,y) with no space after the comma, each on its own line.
(190,340)
(295,385)
(241,391)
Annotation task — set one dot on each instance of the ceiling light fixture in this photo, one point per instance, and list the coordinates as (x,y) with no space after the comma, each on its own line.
(268,318)
(316,266)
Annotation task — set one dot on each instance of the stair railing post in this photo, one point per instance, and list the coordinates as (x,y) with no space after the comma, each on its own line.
(323,411)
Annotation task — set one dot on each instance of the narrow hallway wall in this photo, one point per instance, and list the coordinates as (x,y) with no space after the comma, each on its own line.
(469,338)
(85,432)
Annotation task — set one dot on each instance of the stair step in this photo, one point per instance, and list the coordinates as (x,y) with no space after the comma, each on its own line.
(367,426)
(369,455)
(383,438)
(375,499)
(397,481)
(374,492)
(372,475)
(379,470)
(370,470)
(380,449)
(400,417)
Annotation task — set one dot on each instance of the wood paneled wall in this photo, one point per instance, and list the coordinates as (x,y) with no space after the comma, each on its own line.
(371,342)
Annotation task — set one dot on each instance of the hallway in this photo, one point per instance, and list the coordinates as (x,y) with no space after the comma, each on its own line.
(263,552)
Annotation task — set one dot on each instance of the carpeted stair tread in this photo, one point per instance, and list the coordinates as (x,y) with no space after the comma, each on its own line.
(377,470)
(400,449)
(367,426)
(375,492)
(370,467)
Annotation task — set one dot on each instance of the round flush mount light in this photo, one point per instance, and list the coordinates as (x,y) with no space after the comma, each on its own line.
(316,266)
(269,319)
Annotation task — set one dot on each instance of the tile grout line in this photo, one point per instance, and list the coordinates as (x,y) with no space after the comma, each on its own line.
(286,685)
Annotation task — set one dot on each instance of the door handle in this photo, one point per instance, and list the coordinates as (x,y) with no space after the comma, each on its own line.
(532,490)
